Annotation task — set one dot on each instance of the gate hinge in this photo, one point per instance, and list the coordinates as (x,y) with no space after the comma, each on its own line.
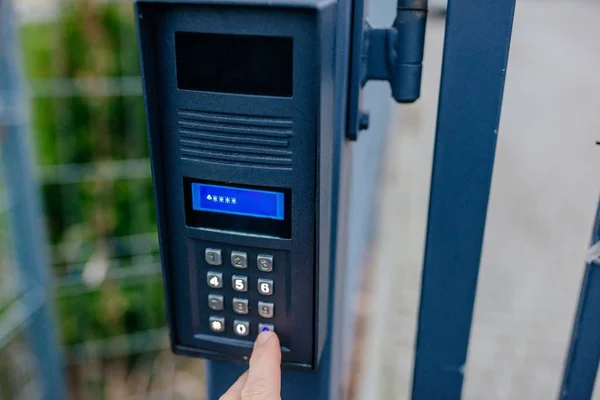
(393,54)
(396,54)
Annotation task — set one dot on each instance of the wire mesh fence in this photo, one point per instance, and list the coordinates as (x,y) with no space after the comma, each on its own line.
(19,377)
(88,127)
(19,301)
(7,274)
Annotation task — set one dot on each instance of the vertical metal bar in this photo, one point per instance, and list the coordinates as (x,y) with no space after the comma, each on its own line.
(581,366)
(475,57)
(26,217)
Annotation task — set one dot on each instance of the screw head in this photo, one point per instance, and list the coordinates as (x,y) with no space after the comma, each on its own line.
(364,120)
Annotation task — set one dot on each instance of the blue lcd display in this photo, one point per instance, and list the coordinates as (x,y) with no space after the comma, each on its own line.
(238,201)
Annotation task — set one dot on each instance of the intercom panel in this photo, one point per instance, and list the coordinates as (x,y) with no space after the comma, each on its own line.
(239,99)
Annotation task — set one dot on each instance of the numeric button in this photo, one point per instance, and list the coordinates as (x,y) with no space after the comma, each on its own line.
(239,259)
(213,257)
(241,328)
(215,302)
(239,283)
(265,263)
(266,310)
(265,287)
(214,280)
(240,306)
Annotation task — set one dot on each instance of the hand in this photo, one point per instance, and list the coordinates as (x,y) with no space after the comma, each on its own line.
(262,381)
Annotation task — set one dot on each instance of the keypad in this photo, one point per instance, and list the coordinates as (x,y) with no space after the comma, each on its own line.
(252,276)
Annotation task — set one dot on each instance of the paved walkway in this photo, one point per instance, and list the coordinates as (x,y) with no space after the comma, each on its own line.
(544,195)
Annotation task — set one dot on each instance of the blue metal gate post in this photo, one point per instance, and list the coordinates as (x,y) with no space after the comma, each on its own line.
(584,352)
(26,217)
(473,72)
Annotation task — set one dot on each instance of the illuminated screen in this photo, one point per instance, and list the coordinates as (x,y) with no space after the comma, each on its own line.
(238,201)
(238,208)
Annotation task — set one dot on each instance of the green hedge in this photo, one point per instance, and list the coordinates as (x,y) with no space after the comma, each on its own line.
(92,40)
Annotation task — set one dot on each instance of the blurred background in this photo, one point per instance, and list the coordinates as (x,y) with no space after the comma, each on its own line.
(89,139)
(89,142)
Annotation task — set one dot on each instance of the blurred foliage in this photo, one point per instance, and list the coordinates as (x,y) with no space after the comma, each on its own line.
(19,371)
(90,44)
(116,311)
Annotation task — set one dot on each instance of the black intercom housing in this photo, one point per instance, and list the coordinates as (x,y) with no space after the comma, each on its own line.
(240,101)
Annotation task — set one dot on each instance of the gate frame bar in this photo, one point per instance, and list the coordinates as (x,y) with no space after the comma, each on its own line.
(476,52)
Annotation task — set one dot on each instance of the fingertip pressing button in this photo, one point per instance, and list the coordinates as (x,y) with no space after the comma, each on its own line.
(266,327)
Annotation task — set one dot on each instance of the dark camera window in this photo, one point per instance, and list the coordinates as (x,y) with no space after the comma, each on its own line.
(241,64)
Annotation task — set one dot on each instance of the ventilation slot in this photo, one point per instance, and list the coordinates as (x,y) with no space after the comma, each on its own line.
(235,139)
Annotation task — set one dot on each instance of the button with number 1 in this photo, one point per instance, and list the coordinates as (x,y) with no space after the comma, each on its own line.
(213,257)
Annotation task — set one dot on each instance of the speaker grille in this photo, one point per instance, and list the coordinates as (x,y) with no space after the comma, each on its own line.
(235,139)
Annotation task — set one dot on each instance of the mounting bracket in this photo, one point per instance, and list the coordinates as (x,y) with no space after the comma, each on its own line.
(392,54)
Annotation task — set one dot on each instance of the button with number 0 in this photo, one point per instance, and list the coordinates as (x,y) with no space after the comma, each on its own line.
(265,287)
(214,280)
(241,328)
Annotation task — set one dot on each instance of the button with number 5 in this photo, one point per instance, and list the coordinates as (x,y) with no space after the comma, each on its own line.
(239,283)
(265,287)
(214,280)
